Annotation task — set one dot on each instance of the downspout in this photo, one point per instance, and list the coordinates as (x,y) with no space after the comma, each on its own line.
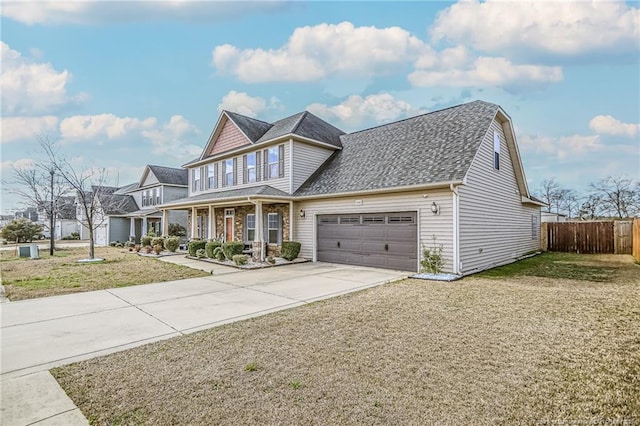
(456,228)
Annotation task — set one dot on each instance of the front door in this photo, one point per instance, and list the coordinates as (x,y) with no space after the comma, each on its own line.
(228,224)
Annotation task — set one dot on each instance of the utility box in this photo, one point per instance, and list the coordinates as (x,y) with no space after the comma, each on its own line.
(24,251)
(35,252)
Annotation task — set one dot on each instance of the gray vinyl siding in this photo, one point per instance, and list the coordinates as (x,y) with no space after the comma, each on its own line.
(170,193)
(428,224)
(281,183)
(495,227)
(306,160)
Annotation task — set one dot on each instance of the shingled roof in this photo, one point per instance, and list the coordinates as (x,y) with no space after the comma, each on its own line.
(431,148)
(264,190)
(170,175)
(306,125)
(251,127)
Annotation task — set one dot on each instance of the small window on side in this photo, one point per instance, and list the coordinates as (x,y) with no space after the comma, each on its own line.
(496,150)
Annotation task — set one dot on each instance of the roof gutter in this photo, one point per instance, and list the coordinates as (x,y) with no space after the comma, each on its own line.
(435,185)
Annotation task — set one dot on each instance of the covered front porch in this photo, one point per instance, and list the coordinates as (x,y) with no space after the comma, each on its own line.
(142,222)
(261,222)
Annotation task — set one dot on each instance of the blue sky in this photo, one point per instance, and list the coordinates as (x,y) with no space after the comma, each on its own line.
(124,84)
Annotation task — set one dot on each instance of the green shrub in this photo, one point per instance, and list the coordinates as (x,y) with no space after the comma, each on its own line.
(432,258)
(72,236)
(129,244)
(240,259)
(119,245)
(210,247)
(177,230)
(218,254)
(157,241)
(172,243)
(290,250)
(271,260)
(232,248)
(196,245)
(200,253)
(146,240)
(113,243)
(151,234)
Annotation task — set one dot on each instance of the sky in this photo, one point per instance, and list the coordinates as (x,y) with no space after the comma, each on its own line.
(119,85)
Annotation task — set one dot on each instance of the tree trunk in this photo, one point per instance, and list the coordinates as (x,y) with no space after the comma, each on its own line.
(91,243)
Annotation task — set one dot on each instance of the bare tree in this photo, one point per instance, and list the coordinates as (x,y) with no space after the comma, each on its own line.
(548,193)
(569,202)
(619,196)
(94,198)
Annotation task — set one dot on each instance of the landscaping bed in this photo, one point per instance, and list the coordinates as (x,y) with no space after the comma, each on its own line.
(509,349)
(251,264)
(24,278)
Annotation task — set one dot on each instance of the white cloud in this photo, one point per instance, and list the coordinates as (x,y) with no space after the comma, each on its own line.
(456,67)
(29,87)
(355,109)
(244,104)
(556,28)
(316,52)
(83,127)
(561,147)
(98,12)
(23,163)
(20,128)
(607,125)
(172,138)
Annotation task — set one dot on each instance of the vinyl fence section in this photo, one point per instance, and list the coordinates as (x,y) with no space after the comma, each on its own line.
(581,237)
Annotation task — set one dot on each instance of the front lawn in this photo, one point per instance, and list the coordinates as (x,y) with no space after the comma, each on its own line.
(24,278)
(508,350)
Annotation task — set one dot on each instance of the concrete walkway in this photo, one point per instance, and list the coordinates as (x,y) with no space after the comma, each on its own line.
(43,333)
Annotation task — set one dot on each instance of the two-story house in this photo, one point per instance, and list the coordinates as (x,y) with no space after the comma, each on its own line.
(374,197)
(129,212)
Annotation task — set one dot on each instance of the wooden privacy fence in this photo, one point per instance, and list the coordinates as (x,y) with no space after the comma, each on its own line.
(636,239)
(591,237)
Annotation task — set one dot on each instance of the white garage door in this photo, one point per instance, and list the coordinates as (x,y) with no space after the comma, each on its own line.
(382,240)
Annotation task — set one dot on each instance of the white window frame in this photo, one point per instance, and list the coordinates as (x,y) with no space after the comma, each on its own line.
(252,168)
(211,176)
(228,172)
(269,228)
(496,150)
(248,228)
(195,180)
(275,163)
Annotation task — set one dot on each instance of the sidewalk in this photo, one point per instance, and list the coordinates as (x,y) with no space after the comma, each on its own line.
(39,334)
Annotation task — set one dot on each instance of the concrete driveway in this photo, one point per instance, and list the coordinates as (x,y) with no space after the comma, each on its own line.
(43,333)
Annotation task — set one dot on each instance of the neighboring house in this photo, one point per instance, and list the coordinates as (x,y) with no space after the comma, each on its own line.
(30,213)
(374,197)
(131,211)
(66,222)
(6,219)
(553,217)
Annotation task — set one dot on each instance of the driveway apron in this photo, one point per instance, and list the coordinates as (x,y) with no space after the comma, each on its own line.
(40,334)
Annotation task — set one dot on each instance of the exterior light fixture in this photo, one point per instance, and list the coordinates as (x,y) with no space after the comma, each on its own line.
(302,213)
(435,209)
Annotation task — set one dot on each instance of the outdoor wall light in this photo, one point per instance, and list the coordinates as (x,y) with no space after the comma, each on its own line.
(435,209)
(302,213)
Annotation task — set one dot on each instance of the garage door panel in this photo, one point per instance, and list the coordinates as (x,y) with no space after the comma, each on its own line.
(383,240)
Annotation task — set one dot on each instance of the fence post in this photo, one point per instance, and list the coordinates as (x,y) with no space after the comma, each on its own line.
(544,236)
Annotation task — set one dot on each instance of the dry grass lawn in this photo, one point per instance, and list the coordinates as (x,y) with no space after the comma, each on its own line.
(505,350)
(24,278)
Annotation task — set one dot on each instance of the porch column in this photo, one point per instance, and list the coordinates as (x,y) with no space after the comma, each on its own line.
(259,226)
(165,223)
(194,223)
(291,221)
(144,225)
(132,229)
(212,223)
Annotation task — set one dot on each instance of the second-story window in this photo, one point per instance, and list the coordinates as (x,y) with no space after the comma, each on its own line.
(158,201)
(228,172)
(211,177)
(274,162)
(250,168)
(195,180)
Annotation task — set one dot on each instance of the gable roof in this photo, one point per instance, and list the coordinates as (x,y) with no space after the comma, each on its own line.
(115,204)
(251,127)
(437,147)
(306,125)
(127,188)
(170,175)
